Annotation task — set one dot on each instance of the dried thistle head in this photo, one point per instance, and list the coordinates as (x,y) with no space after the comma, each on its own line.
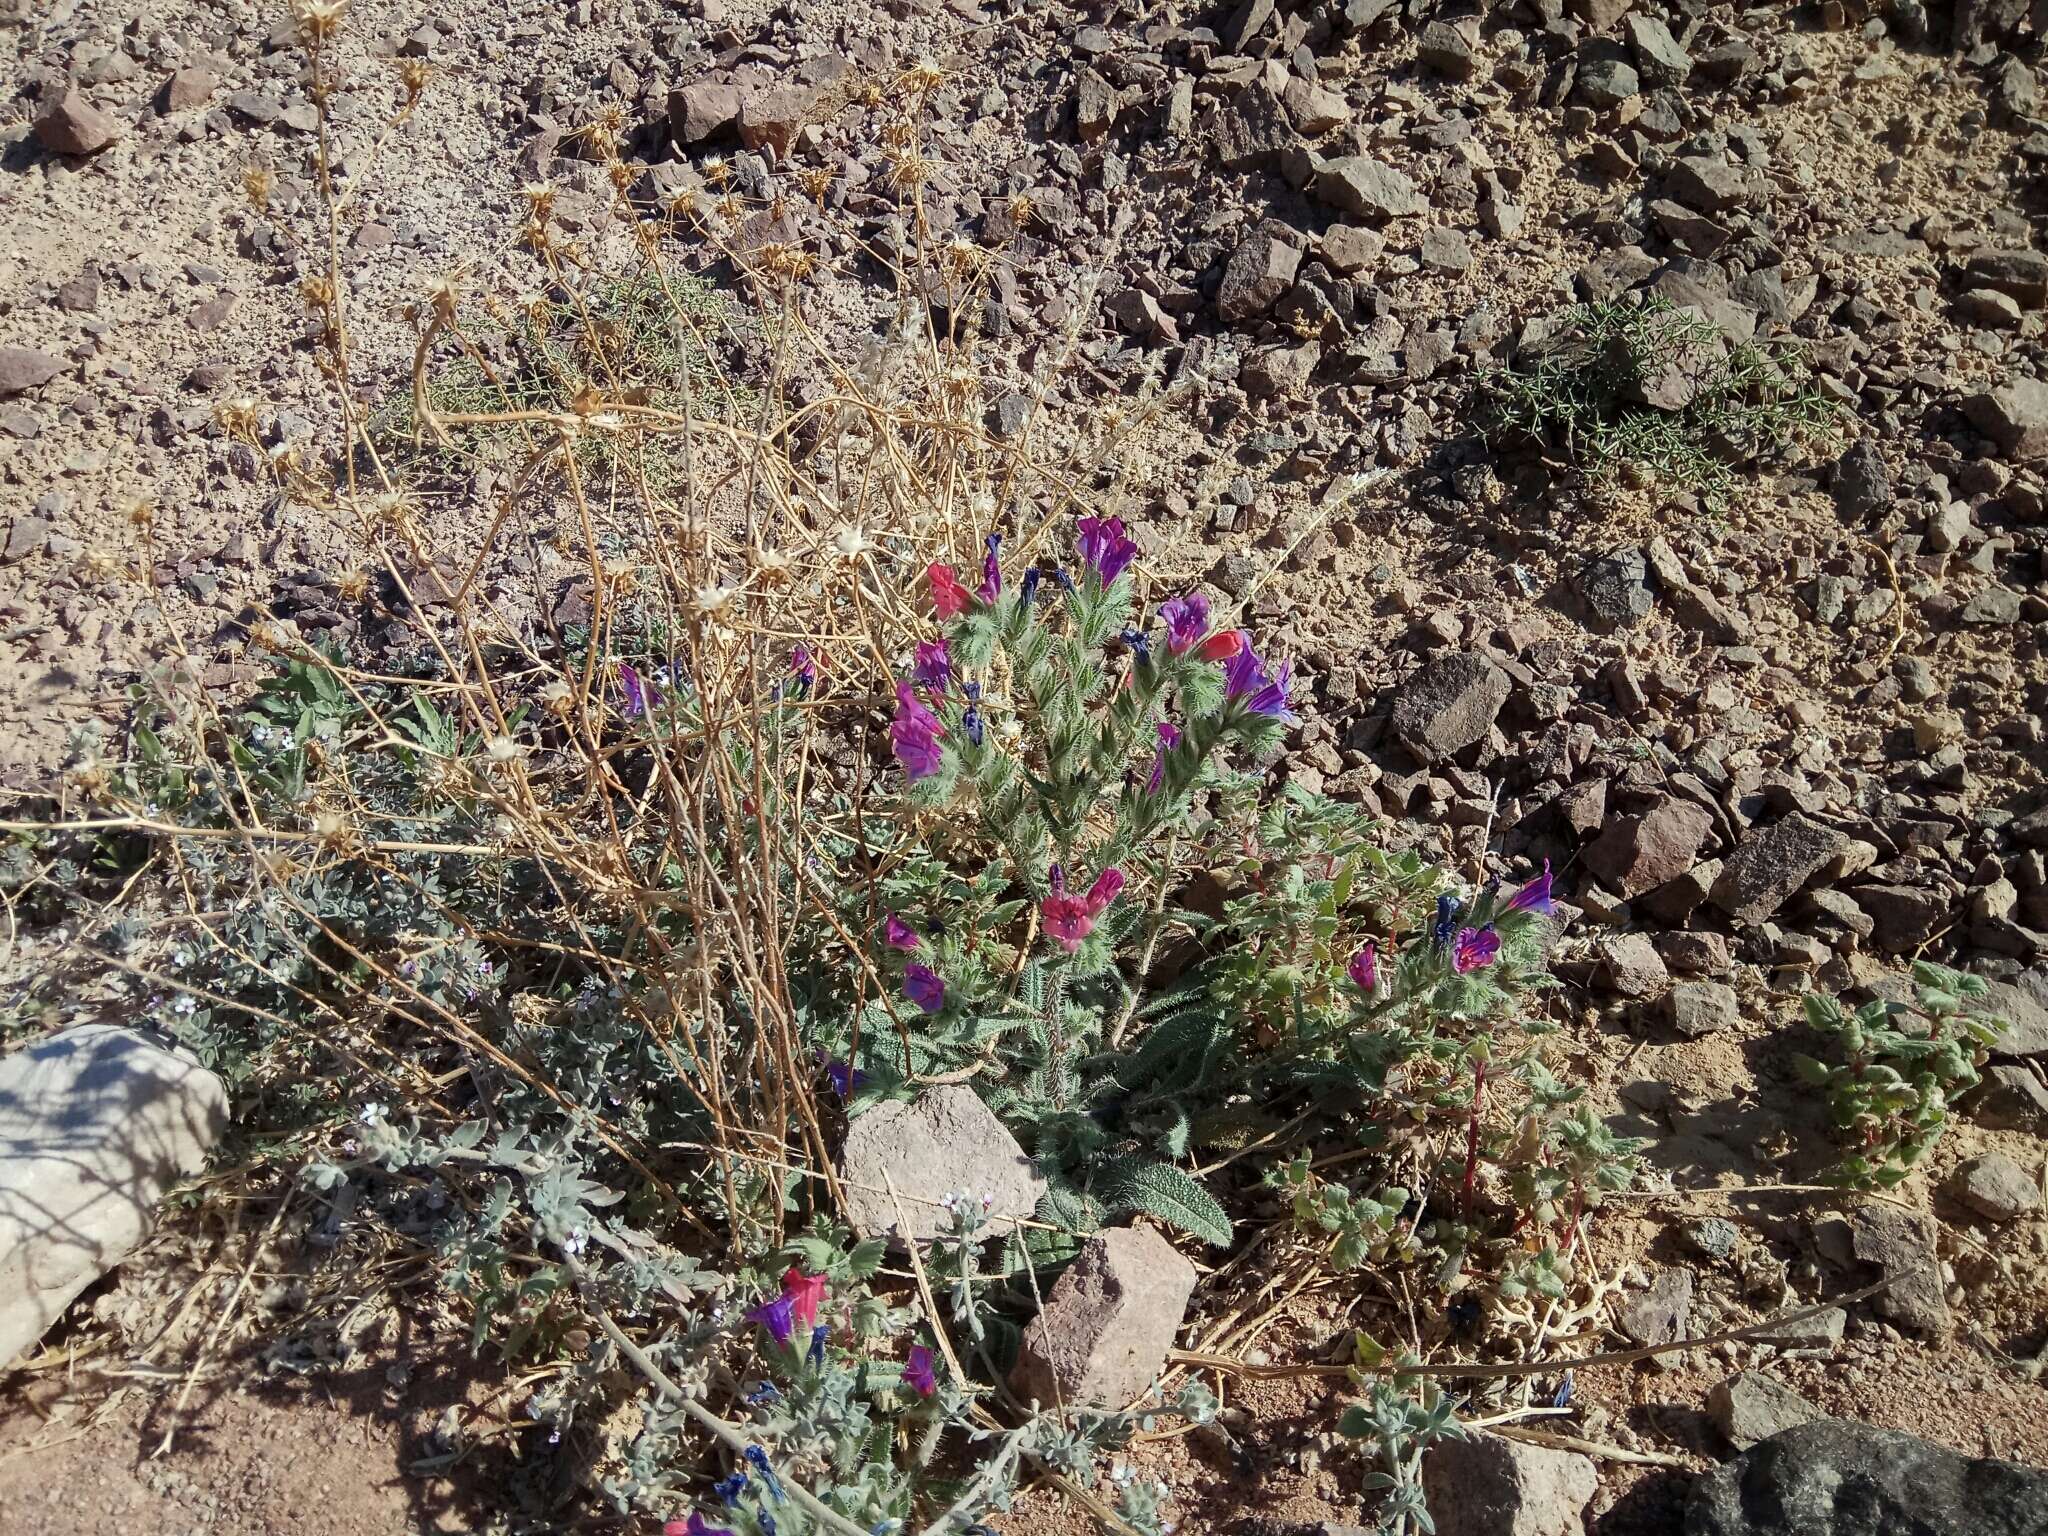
(258,183)
(1022,209)
(540,200)
(923,76)
(816,180)
(682,204)
(908,169)
(237,416)
(317,289)
(848,543)
(715,171)
(139,511)
(715,604)
(444,294)
(318,21)
(730,207)
(413,76)
(771,567)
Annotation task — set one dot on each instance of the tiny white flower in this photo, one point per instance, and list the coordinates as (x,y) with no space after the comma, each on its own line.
(850,543)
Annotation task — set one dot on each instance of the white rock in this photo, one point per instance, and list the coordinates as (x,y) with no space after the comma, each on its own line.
(95,1123)
(947,1143)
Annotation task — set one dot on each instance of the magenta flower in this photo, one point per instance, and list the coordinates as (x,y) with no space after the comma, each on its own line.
(1065,915)
(805,1293)
(934,665)
(1475,949)
(1169,738)
(917,1370)
(1187,621)
(948,596)
(1364,968)
(991,571)
(921,984)
(898,934)
(641,694)
(777,1316)
(1535,896)
(914,734)
(696,1525)
(1262,693)
(1105,890)
(805,666)
(1106,547)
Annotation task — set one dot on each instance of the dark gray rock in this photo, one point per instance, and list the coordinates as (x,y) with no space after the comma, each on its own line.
(1773,865)
(1446,48)
(1839,1478)
(1608,82)
(1489,1485)
(23,369)
(1615,588)
(1659,58)
(1862,486)
(1450,704)
(1997,1188)
(1368,189)
(2014,415)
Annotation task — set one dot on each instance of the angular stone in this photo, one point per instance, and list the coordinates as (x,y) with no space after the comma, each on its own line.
(1094,106)
(1996,1187)
(947,1143)
(1749,1406)
(188,88)
(1368,189)
(1862,486)
(1835,1477)
(770,119)
(1903,917)
(1281,371)
(2024,1007)
(1314,109)
(74,126)
(1703,1008)
(2014,416)
(1260,270)
(1660,1314)
(1615,587)
(23,369)
(1449,704)
(1901,1244)
(1608,82)
(1107,1324)
(1489,1485)
(1773,865)
(700,111)
(1639,853)
(95,1124)
(1349,248)
(1822,1331)
(2022,275)
(1659,58)
(1707,183)
(1633,966)
(1446,48)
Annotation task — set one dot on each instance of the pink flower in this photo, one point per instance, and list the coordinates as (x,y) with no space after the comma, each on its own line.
(1104,890)
(805,1292)
(948,596)
(696,1525)
(991,586)
(1475,949)
(1067,919)
(898,934)
(1365,967)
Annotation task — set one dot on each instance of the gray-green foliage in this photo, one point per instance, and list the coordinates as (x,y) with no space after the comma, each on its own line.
(1583,391)
(1901,1067)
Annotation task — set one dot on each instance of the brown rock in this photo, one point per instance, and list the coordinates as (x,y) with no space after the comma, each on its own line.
(188,88)
(1640,853)
(697,112)
(23,369)
(1108,1323)
(1258,272)
(1773,864)
(1449,705)
(1489,1485)
(74,126)
(770,119)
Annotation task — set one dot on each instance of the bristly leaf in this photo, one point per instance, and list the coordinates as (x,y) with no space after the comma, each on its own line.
(1164,1191)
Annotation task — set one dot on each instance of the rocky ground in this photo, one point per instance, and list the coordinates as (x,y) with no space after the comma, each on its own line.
(1786,738)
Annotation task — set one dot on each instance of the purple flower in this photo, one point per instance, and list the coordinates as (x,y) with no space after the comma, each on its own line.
(1364,968)
(1169,738)
(1262,693)
(1446,924)
(815,1356)
(917,1370)
(844,1077)
(777,1316)
(1028,587)
(921,984)
(696,1525)
(1476,948)
(914,734)
(1187,621)
(805,666)
(991,571)
(934,667)
(641,694)
(1106,547)
(1535,896)
(898,934)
